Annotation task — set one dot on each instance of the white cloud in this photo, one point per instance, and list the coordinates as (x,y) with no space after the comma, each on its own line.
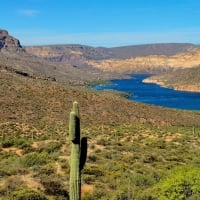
(28,12)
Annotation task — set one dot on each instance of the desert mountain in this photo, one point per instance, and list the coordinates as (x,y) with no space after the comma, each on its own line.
(7,42)
(76,64)
(15,58)
(187,59)
(77,54)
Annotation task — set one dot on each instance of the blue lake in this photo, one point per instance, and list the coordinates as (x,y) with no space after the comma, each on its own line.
(154,94)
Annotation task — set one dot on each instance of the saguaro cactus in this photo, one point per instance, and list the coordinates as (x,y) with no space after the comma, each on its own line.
(78,153)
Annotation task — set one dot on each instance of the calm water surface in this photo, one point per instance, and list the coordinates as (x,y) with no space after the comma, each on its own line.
(153,94)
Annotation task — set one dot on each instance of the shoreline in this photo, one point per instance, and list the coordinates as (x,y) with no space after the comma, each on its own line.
(183,88)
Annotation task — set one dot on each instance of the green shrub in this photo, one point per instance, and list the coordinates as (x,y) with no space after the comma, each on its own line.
(26,194)
(10,165)
(182,183)
(47,169)
(142,180)
(33,159)
(53,186)
(21,142)
(52,147)
(7,143)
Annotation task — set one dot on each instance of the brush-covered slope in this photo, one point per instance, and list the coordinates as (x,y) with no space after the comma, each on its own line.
(135,151)
(132,147)
(186,80)
(36,101)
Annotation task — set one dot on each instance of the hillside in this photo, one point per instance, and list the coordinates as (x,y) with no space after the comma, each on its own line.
(71,53)
(186,80)
(81,55)
(187,59)
(45,98)
(14,58)
(135,151)
(133,138)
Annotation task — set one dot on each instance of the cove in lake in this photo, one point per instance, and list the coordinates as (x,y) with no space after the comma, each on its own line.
(151,93)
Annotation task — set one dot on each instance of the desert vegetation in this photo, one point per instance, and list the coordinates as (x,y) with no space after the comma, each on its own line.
(135,151)
(135,161)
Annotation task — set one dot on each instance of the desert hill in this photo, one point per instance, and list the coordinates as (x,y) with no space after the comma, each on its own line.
(183,79)
(15,58)
(127,141)
(78,54)
(157,63)
(135,151)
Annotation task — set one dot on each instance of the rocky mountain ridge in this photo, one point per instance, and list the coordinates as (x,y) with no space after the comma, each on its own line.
(186,59)
(14,58)
(8,42)
(83,53)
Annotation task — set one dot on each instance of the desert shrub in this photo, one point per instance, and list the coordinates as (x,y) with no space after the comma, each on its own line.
(53,186)
(7,143)
(16,142)
(32,159)
(151,158)
(26,194)
(47,169)
(182,183)
(102,142)
(92,158)
(21,142)
(13,161)
(142,180)
(11,184)
(52,147)
(98,193)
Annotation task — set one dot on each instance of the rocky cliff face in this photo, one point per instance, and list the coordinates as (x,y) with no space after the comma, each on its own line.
(61,54)
(8,42)
(48,65)
(151,63)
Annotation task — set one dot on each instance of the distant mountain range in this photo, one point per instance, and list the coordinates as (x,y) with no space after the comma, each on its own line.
(63,53)
(76,64)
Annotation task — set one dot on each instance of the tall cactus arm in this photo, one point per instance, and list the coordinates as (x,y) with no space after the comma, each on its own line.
(75,108)
(83,152)
(74,128)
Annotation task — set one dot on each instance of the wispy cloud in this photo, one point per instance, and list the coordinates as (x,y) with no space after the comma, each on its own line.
(28,12)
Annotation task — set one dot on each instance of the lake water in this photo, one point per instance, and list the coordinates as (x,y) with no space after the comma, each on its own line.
(154,94)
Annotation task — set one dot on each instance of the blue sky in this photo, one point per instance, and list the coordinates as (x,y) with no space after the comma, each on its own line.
(101,22)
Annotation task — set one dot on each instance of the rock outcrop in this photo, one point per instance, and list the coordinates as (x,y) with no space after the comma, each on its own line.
(151,63)
(8,42)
